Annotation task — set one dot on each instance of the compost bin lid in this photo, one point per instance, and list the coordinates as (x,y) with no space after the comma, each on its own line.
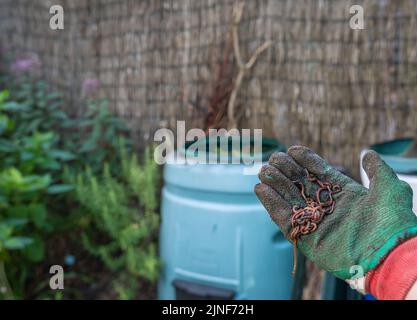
(399,154)
(230,177)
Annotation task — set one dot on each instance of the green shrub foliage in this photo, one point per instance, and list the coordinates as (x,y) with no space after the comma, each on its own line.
(66,175)
(124,212)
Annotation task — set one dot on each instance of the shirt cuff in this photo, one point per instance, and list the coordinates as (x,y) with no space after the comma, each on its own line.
(395,276)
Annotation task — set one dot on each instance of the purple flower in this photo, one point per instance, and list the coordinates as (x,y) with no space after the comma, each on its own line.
(30,64)
(90,86)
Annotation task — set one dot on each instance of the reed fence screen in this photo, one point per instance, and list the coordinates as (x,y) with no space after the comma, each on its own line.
(320,83)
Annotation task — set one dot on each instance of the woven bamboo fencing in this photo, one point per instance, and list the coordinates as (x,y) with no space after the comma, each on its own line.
(320,83)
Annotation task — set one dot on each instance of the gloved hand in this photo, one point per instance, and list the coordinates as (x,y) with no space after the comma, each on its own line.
(364,226)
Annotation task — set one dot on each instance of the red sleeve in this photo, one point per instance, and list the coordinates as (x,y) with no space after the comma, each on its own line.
(395,276)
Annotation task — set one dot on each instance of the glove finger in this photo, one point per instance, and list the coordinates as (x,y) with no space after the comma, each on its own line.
(317,165)
(281,184)
(287,166)
(294,172)
(278,208)
(375,167)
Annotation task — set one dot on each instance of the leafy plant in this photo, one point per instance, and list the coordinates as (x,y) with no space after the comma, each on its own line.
(123,220)
(30,170)
(8,241)
(46,191)
(96,135)
(35,108)
(22,211)
(90,138)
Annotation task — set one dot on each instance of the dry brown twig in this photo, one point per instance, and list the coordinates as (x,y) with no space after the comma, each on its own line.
(243,67)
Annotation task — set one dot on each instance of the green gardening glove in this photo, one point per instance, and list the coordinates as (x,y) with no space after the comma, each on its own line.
(364,225)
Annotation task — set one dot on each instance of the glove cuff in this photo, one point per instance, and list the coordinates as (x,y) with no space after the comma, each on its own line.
(396,274)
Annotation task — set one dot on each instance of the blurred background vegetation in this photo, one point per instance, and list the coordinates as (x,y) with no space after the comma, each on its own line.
(72,191)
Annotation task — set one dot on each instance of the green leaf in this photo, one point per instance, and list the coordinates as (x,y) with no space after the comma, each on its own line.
(36,183)
(26,155)
(60,188)
(53,95)
(15,221)
(34,125)
(7,146)
(83,123)
(5,231)
(19,212)
(38,214)
(3,201)
(4,94)
(14,243)
(61,115)
(62,155)
(35,251)
(13,106)
(88,146)
(51,165)
(4,123)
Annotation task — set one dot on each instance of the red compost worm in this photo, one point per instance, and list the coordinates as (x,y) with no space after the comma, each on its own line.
(305,220)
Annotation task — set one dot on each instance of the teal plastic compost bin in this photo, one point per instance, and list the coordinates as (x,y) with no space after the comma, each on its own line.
(217,241)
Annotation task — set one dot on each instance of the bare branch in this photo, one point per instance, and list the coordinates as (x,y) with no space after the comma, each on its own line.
(243,67)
